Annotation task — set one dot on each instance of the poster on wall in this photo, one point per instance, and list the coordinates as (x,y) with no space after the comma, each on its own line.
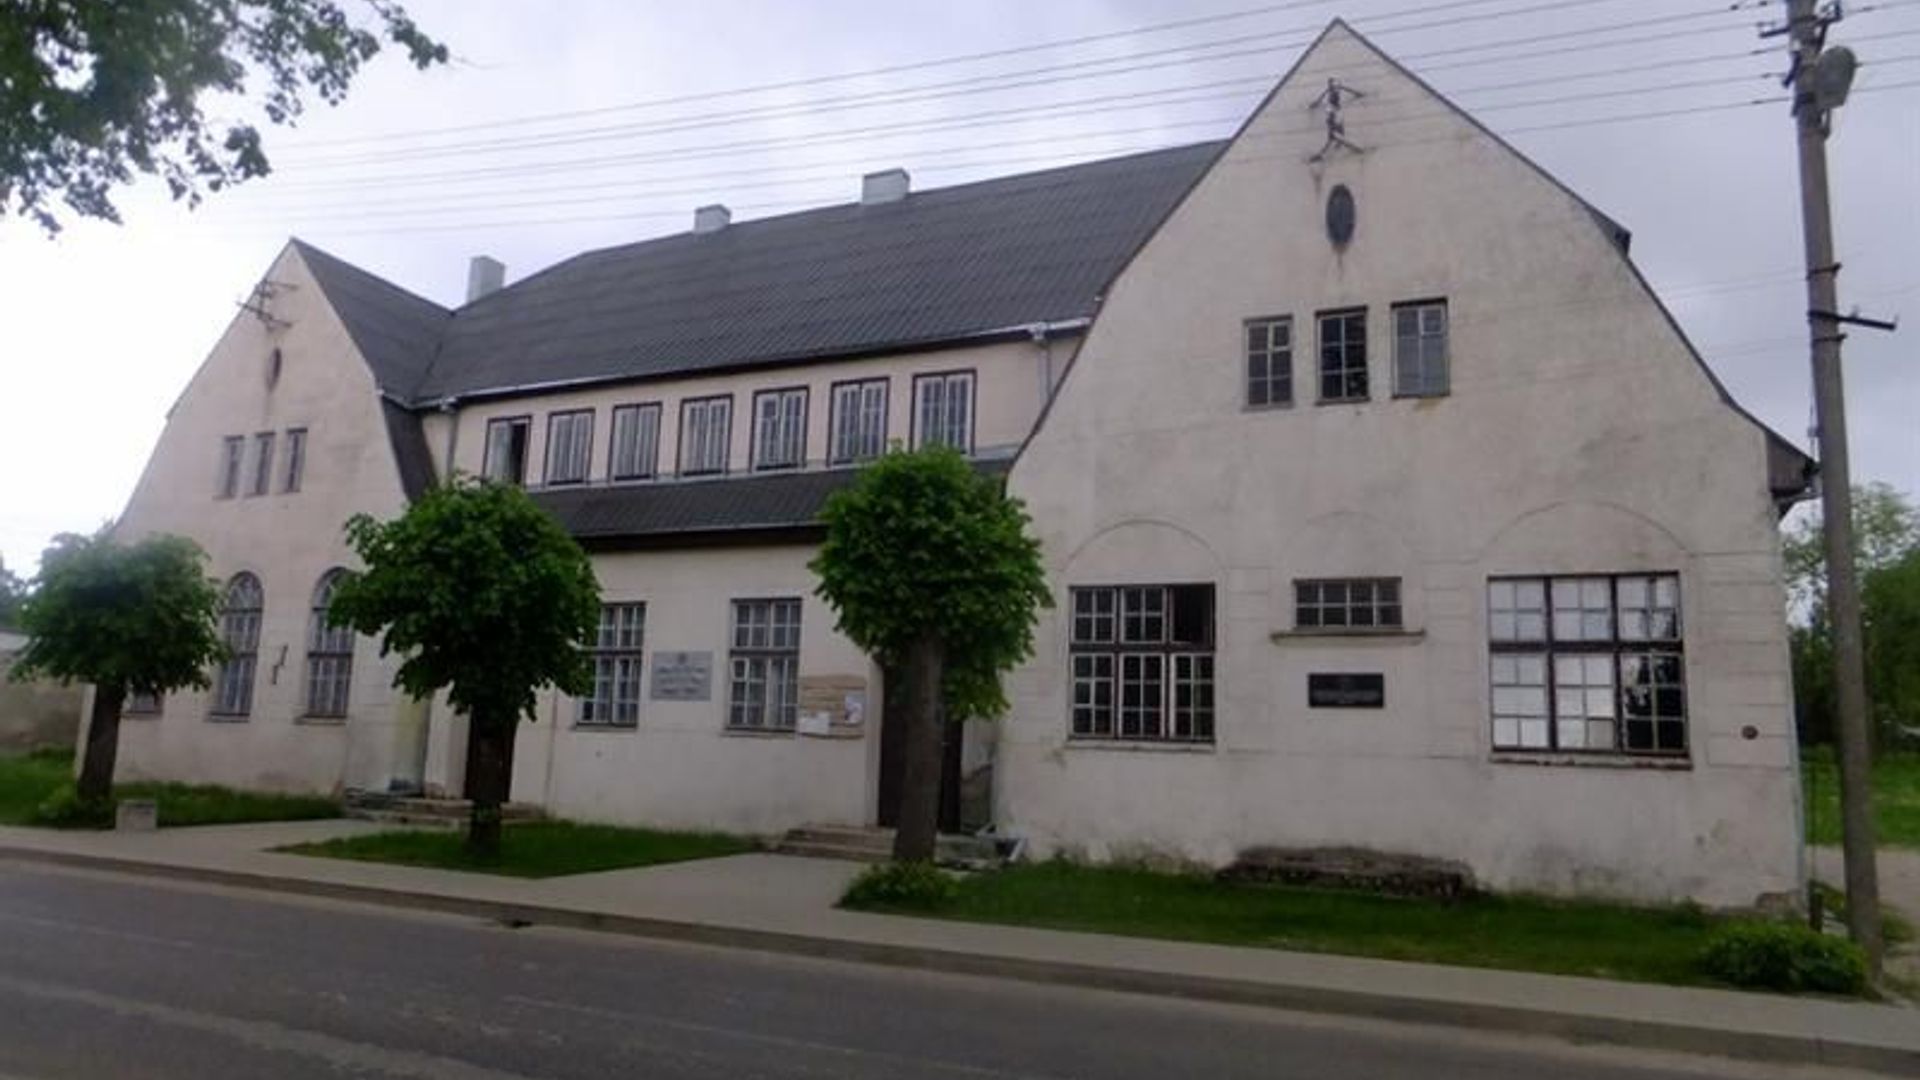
(832,705)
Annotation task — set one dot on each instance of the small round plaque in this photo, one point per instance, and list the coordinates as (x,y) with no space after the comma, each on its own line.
(1340,216)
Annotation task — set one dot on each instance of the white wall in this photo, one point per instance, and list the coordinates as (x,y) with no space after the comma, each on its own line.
(287,540)
(1580,436)
(680,766)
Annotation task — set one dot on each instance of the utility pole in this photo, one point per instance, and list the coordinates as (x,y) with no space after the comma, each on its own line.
(1820,79)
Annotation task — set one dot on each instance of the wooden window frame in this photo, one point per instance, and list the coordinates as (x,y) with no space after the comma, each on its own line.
(233,467)
(1167,655)
(637,410)
(523,420)
(612,654)
(240,632)
(554,419)
(329,656)
(1267,355)
(780,393)
(775,717)
(1320,319)
(915,436)
(1446,348)
(294,469)
(261,483)
(680,437)
(1378,606)
(885,383)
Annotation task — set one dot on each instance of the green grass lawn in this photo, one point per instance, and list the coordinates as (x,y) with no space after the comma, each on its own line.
(534,849)
(1520,933)
(1896,798)
(27,781)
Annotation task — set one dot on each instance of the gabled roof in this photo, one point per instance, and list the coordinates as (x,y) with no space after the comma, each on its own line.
(396,331)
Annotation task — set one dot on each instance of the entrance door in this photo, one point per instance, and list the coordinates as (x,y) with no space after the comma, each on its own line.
(893,757)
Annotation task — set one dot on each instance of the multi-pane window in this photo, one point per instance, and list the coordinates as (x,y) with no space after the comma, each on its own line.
(1142,662)
(329,653)
(1343,355)
(1420,349)
(617,650)
(943,410)
(764,689)
(780,429)
(1589,663)
(1347,604)
(141,703)
(296,460)
(506,455)
(240,631)
(262,464)
(706,425)
(233,450)
(859,428)
(1269,362)
(634,453)
(569,446)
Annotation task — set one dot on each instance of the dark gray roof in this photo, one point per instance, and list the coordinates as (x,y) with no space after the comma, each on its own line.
(940,265)
(769,503)
(395,330)
(410,454)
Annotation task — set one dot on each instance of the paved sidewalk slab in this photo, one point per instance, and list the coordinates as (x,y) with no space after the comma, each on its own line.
(785,903)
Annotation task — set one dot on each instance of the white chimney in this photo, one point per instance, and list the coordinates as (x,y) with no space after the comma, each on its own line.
(884,187)
(485,274)
(711,218)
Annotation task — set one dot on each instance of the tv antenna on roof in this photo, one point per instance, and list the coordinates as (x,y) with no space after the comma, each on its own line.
(1333,99)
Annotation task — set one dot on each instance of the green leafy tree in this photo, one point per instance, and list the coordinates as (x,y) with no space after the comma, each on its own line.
(13,592)
(486,597)
(1887,551)
(929,567)
(92,92)
(128,618)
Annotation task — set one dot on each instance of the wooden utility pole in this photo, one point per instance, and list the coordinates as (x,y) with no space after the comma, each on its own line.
(1817,90)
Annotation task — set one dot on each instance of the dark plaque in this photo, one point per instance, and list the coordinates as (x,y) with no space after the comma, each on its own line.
(1346,691)
(1340,216)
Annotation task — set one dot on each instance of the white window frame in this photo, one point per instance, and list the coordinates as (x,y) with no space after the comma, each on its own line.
(633,446)
(706,432)
(329,684)
(780,428)
(943,410)
(858,420)
(500,442)
(1131,676)
(241,612)
(618,652)
(1347,605)
(1421,331)
(569,447)
(763,660)
(1267,381)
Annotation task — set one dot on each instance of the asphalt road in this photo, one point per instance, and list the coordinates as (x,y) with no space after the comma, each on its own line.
(106,976)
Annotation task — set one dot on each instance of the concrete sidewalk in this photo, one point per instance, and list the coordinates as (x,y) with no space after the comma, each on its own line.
(785,904)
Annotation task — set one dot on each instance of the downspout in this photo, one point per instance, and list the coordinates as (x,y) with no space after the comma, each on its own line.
(450,408)
(1038,332)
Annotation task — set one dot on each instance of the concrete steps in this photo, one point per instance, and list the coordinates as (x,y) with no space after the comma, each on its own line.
(864,843)
(416,811)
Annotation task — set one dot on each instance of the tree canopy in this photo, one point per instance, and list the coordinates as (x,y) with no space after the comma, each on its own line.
(13,592)
(92,93)
(924,544)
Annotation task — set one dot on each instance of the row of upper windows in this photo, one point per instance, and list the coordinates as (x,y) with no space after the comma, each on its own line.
(856,431)
(238,475)
(1591,663)
(1419,355)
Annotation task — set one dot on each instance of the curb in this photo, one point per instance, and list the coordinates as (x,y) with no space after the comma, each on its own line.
(1772,1048)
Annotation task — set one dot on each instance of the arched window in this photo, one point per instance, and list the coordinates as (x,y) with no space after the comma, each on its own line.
(240,629)
(329,654)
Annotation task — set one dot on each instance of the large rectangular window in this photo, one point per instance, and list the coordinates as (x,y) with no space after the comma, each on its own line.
(617,651)
(296,460)
(1269,362)
(943,410)
(262,464)
(1142,663)
(1347,604)
(1590,663)
(233,451)
(859,421)
(763,692)
(634,453)
(569,446)
(780,429)
(706,425)
(506,453)
(1420,349)
(1343,355)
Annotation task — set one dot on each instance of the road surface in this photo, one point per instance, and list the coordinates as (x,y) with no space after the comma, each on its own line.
(109,976)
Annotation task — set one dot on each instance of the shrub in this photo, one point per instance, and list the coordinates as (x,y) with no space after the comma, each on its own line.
(1784,956)
(918,886)
(65,809)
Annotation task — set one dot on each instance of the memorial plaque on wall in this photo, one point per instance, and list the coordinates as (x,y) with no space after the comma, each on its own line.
(1347,691)
(682,676)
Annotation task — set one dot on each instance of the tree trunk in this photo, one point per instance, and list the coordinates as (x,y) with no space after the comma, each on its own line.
(489,775)
(913,840)
(103,744)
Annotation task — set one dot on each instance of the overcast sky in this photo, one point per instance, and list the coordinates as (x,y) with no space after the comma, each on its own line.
(101,328)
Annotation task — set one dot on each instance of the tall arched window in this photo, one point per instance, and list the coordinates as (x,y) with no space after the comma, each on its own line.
(329,654)
(240,629)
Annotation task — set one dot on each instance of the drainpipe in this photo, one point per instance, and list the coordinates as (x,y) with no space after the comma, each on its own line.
(449,408)
(1038,333)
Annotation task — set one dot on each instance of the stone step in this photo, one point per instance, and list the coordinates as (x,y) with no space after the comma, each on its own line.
(832,851)
(868,844)
(395,817)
